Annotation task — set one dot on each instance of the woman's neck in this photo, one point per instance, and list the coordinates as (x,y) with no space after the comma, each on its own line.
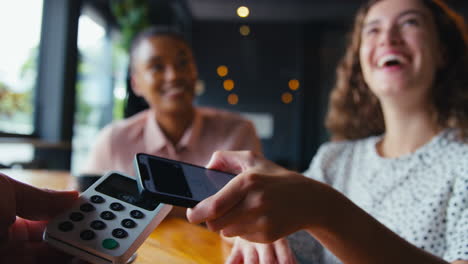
(406,131)
(174,125)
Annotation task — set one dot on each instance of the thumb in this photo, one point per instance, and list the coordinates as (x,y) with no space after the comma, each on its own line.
(232,161)
(218,204)
(37,204)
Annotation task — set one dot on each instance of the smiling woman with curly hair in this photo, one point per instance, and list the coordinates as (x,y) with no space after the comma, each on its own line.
(396,172)
(355,111)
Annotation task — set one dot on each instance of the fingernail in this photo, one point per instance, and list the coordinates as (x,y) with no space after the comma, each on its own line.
(226,233)
(189,215)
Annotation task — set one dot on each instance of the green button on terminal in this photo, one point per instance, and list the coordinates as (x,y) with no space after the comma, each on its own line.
(109,243)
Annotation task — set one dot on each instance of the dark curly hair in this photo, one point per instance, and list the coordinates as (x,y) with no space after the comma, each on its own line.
(355,112)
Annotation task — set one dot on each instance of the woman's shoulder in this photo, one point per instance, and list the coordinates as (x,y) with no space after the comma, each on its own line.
(338,155)
(451,139)
(344,148)
(223,121)
(449,147)
(453,151)
(219,115)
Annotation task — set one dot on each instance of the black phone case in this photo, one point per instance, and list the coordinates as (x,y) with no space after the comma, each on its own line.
(142,173)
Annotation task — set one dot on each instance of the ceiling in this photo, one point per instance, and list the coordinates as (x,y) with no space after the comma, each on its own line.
(274,10)
(288,10)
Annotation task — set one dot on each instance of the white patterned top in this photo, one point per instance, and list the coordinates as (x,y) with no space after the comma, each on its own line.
(423,196)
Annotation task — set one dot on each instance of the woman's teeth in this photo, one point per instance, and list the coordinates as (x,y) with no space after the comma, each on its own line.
(390,60)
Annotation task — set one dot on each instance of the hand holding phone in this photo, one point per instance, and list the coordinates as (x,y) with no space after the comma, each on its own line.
(177,183)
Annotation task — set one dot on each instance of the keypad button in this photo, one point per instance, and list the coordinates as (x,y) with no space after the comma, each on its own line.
(109,243)
(98,225)
(76,216)
(87,235)
(119,233)
(107,215)
(137,214)
(87,207)
(116,207)
(97,199)
(65,226)
(128,223)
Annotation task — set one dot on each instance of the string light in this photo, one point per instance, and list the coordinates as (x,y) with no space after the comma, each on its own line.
(222,71)
(294,84)
(244,30)
(228,84)
(233,99)
(243,11)
(286,98)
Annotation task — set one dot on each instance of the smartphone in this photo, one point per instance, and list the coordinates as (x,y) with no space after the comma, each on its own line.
(177,183)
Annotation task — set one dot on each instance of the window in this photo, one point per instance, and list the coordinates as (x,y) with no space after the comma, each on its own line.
(20,24)
(101,67)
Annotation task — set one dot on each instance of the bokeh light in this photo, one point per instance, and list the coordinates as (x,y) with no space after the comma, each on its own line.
(222,71)
(233,99)
(228,84)
(244,30)
(243,11)
(294,84)
(286,98)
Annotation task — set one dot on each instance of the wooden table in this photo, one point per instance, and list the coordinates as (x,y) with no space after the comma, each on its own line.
(174,241)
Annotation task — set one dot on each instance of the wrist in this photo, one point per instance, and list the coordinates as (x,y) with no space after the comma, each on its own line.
(328,207)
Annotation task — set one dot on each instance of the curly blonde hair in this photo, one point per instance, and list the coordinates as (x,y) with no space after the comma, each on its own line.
(355,112)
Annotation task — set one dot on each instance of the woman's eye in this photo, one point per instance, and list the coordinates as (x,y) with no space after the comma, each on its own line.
(371,31)
(157,67)
(182,63)
(411,22)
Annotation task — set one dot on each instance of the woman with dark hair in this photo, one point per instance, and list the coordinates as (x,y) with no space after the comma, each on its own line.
(392,186)
(164,73)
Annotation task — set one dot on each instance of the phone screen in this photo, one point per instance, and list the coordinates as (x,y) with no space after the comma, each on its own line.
(182,181)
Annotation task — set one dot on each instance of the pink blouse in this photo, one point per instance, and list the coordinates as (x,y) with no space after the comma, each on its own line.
(211,130)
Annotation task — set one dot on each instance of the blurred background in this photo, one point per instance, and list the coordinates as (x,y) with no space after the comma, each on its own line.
(64,70)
